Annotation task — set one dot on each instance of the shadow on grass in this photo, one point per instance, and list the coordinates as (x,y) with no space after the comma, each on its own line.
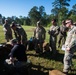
(39,70)
(48,55)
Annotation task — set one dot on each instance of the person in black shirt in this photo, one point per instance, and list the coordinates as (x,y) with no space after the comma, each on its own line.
(17,56)
(18,52)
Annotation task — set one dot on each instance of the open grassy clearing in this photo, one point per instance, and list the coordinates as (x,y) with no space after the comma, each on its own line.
(44,62)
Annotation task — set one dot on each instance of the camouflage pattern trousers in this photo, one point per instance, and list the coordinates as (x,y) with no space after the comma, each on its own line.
(68,59)
(39,46)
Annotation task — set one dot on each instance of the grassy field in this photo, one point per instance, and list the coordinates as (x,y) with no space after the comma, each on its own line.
(41,64)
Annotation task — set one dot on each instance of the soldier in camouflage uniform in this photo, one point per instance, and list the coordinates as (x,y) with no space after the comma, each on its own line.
(19,33)
(62,34)
(70,45)
(7,31)
(53,32)
(39,34)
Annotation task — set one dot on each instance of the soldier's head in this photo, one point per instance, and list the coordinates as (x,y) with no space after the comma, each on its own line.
(14,42)
(63,22)
(53,21)
(13,26)
(69,23)
(38,23)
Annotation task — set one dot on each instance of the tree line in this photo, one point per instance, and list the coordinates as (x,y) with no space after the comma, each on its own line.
(59,11)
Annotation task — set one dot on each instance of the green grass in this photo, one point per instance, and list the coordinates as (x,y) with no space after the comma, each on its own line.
(41,64)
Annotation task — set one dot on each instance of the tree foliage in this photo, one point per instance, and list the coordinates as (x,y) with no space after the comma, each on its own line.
(60,11)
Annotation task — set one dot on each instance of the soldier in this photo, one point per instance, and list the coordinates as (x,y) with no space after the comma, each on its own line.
(7,31)
(19,33)
(53,32)
(70,45)
(62,34)
(39,34)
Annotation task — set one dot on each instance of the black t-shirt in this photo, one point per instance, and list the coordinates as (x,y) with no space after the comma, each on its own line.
(18,51)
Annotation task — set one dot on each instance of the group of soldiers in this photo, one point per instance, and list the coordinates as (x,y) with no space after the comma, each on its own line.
(19,32)
(57,37)
(67,34)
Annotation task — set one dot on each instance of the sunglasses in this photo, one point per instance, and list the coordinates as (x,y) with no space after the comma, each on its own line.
(67,22)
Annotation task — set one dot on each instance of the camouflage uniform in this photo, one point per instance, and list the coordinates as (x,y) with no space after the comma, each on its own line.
(62,36)
(71,43)
(21,35)
(39,35)
(54,30)
(7,32)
